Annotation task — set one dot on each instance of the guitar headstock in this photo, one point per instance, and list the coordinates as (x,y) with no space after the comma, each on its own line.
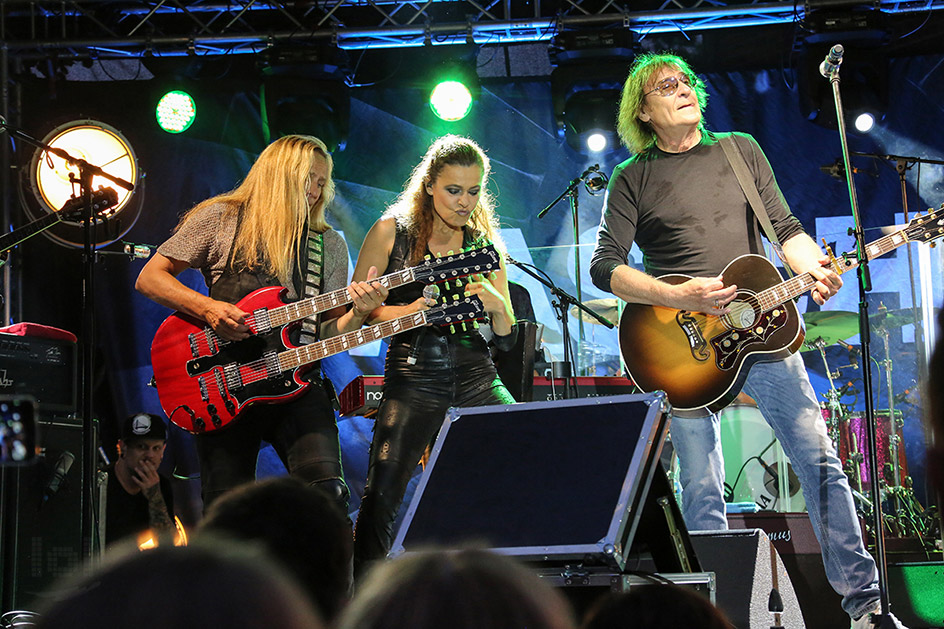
(926,227)
(454,266)
(102,199)
(456,311)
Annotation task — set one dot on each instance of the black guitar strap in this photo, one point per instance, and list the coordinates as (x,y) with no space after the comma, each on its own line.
(739,166)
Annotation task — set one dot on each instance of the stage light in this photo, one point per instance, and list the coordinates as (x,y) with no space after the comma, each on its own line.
(586,84)
(596,142)
(863,74)
(864,122)
(451,100)
(51,183)
(305,91)
(176,111)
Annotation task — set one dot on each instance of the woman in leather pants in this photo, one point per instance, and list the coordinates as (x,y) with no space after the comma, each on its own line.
(444,208)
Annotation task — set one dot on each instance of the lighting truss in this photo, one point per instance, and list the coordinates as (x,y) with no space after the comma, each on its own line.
(106,29)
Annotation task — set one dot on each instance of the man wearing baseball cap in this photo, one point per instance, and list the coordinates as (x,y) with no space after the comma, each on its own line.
(138,498)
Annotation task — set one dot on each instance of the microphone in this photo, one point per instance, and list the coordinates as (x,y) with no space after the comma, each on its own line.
(854,352)
(595,182)
(137,252)
(831,63)
(63,465)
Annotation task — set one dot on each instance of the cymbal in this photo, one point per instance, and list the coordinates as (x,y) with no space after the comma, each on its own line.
(892,318)
(608,308)
(829,325)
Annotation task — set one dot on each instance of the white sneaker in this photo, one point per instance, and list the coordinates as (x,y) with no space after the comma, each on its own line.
(865,621)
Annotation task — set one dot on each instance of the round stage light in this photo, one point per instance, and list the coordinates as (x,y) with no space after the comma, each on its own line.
(176,111)
(596,142)
(51,184)
(864,122)
(450,100)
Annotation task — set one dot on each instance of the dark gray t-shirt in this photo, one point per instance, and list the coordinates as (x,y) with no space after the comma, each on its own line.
(686,211)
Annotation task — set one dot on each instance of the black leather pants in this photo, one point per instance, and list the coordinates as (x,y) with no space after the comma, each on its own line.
(450,370)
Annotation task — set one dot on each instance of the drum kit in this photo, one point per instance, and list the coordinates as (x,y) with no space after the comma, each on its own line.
(904,515)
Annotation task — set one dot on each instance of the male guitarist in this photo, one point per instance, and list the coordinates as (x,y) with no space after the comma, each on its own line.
(255,236)
(679,201)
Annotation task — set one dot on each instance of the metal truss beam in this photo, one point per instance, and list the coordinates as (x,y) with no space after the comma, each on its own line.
(110,29)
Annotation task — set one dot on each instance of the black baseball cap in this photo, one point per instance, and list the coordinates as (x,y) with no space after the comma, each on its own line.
(143,426)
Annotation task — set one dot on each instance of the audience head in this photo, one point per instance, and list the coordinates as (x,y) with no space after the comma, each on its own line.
(300,526)
(185,587)
(468,589)
(655,607)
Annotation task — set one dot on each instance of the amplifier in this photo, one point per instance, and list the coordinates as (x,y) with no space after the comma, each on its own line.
(362,395)
(43,368)
(546,389)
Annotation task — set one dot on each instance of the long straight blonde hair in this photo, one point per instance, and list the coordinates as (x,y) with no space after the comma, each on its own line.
(413,209)
(272,202)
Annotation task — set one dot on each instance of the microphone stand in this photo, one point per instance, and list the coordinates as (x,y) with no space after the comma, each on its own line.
(561,303)
(571,193)
(87,344)
(865,286)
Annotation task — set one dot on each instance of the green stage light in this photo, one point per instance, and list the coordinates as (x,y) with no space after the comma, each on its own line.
(450,100)
(176,111)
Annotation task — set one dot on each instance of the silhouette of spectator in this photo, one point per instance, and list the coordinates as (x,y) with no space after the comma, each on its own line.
(468,589)
(202,586)
(299,525)
(655,607)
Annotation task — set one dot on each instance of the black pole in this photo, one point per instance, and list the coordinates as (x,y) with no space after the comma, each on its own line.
(830,70)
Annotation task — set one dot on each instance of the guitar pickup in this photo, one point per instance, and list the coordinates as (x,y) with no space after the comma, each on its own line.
(261,321)
(233,379)
(271,360)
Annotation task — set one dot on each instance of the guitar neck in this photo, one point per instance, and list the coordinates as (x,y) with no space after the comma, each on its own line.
(22,233)
(799,284)
(300,356)
(298,310)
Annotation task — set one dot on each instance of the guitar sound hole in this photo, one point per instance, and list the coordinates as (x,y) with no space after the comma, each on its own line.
(742,314)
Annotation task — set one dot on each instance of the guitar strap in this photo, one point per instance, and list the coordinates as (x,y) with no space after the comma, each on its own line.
(739,166)
(313,283)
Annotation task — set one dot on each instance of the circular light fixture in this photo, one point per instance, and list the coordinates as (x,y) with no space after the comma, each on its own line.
(864,122)
(54,182)
(450,100)
(175,111)
(596,142)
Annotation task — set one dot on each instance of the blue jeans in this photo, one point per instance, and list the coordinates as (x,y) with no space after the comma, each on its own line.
(787,401)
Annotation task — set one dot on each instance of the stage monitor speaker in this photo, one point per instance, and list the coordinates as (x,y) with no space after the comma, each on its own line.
(42,517)
(792,535)
(747,568)
(552,483)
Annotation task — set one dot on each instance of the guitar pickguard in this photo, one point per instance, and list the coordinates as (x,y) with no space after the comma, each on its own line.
(732,343)
(696,340)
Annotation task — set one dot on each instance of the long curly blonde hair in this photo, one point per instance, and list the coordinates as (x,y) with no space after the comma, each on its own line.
(272,202)
(635,134)
(413,208)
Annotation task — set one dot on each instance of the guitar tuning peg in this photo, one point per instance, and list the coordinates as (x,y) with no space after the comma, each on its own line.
(475,324)
(450,252)
(452,329)
(458,283)
(463,326)
(446,284)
